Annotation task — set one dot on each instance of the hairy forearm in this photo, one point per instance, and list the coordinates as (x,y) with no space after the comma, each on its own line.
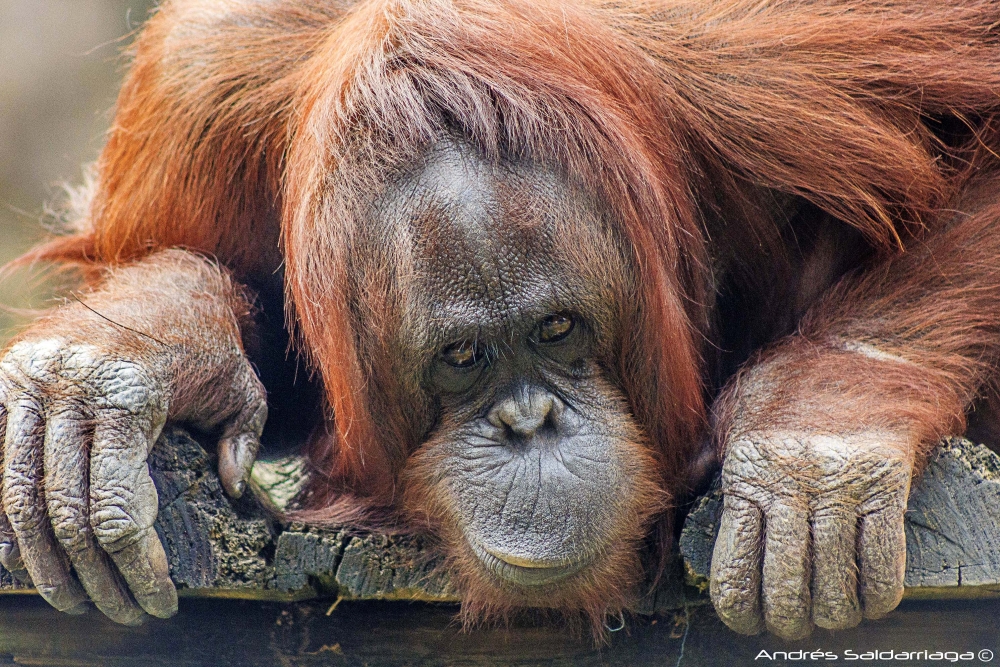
(822,433)
(904,347)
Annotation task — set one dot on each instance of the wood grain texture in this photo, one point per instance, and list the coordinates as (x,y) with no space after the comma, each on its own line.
(220,548)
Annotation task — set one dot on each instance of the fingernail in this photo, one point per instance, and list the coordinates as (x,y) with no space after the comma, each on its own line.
(236,458)
(10,556)
(132,618)
(78,610)
(68,597)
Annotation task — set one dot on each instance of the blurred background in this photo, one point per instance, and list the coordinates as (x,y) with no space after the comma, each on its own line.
(60,68)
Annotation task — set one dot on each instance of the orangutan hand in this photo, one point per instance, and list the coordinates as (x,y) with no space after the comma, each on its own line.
(811,531)
(83,399)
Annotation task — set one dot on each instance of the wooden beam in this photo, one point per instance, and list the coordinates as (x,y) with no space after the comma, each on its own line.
(220,548)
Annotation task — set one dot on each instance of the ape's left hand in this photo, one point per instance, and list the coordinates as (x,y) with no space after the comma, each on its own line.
(812,530)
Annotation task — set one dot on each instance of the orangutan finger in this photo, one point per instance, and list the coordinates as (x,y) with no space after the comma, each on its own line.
(835,572)
(123,507)
(66,491)
(241,438)
(736,566)
(26,508)
(786,571)
(882,561)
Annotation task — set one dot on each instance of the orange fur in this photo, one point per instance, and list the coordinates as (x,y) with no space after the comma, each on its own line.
(243,124)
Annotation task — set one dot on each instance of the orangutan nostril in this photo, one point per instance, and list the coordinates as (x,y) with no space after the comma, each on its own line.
(526,413)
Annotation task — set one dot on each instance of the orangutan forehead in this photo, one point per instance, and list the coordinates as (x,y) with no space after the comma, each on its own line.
(491,243)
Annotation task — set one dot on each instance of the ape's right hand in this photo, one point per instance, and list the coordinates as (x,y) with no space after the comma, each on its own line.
(812,530)
(82,401)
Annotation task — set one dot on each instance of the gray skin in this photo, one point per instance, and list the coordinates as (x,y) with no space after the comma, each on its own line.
(811,532)
(530,439)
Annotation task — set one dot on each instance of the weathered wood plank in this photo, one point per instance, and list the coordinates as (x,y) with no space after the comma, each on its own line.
(952,527)
(221,549)
(218,548)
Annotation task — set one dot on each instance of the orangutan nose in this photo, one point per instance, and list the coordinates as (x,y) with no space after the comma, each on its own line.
(527,412)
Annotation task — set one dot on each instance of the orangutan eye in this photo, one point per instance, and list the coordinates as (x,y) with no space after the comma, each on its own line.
(554,328)
(461,355)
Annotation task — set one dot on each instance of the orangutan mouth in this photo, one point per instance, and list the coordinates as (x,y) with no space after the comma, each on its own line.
(524,571)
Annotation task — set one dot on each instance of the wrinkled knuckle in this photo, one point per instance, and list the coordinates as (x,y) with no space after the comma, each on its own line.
(128,387)
(833,508)
(115,528)
(896,473)
(742,450)
(733,466)
(48,366)
(69,526)
(883,493)
(31,362)
(734,507)
(753,459)
(25,519)
(729,597)
(72,533)
(738,474)
(17,386)
(20,503)
(753,491)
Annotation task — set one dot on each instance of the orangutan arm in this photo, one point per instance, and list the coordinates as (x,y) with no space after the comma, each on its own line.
(823,433)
